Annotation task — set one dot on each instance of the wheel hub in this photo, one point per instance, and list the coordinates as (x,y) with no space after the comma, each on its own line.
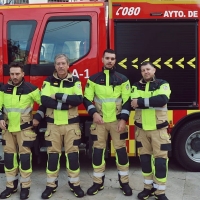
(195,144)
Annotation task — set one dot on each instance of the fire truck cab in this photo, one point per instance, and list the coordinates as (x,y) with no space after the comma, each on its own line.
(163,32)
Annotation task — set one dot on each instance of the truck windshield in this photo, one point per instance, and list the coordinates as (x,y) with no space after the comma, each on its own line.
(20,34)
(71,37)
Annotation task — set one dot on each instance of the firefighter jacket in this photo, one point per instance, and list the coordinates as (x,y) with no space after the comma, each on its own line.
(17,104)
(110,92)
(153,97)
(68,92)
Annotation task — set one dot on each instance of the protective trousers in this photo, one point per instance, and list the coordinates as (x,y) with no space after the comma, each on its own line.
(56,136)
(153,149)
(13,144)
(99,134)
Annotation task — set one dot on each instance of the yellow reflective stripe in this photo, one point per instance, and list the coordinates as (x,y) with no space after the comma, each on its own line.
(53,5)
(107,100)
(19,110)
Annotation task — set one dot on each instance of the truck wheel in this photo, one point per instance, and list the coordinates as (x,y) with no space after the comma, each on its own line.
(187,146)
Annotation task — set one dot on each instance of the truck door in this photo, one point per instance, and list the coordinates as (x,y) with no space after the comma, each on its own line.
(68,33)
(171,45)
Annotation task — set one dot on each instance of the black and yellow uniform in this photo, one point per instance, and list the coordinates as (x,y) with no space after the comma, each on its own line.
(17,104)
(62,127)
(152,138)
(110,92)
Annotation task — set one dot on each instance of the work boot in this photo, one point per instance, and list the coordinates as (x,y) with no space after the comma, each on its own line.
(145,194)
(96,187)
(49,191)
(127,191)
(160,197)
(9,191)
(78,192)
(24,194)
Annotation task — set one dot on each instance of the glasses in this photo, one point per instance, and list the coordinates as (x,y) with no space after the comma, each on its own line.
(107,58)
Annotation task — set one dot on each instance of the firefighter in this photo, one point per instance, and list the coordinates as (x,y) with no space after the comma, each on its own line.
(16,122)
(110,92)
(61,95)
(149,99)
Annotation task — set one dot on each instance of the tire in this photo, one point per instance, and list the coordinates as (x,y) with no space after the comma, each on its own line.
(187,146)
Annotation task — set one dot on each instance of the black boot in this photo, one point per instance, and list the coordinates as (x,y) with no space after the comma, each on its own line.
(49,191)
(24,194)
(160,197)
(9,191)
(127,191)
(78,192)
(96,187)
(145,194)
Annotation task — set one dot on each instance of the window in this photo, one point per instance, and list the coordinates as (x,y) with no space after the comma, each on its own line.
(68,36)
(20,35)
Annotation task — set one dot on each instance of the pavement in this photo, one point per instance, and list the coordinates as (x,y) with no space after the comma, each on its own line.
(181,185)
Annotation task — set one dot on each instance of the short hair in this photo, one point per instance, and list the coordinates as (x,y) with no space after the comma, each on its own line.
(147,63)
(109,51)
(60,55)
(17,64)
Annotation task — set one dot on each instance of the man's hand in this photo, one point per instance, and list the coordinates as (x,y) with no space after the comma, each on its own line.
(97,118)
(2,124)
(121,125)
(53,96)
(134,103)
(35,122)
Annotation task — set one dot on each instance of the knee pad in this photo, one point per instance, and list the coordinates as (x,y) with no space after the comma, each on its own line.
(10,160)
(25,160)
(160,168)
(121,156)
(98,156)
(73,161)
(53,161)
(145,160)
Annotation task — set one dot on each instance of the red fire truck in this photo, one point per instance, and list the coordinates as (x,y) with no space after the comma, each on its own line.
(165,32)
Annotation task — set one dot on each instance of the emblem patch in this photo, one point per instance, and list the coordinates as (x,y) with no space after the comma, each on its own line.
(165,87)
(127,86)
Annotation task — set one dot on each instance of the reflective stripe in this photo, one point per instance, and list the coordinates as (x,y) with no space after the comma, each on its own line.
(107,100)
(98,174)
(73,180)
(59,106)
(148,182)
(123,173)
(64,98)
(20,110)
(146,102)
(90,107)
(52,179)
(41,113)
(125,112)
(155,108)
(11,178)
(25,179)
(1,113)
(159,187)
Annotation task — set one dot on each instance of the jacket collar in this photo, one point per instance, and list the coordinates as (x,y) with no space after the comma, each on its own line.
(11,83)
(69,77)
